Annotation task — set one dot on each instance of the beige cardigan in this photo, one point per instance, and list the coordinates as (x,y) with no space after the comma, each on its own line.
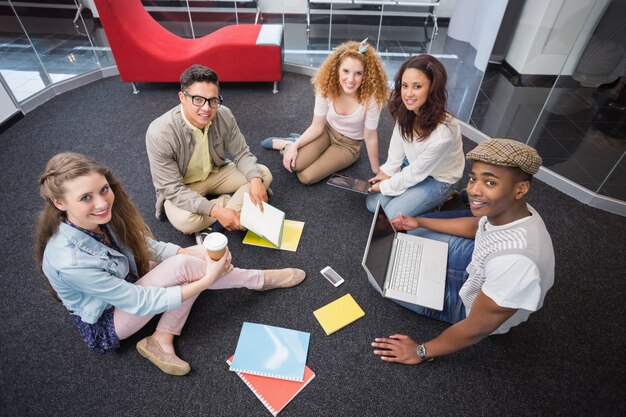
(170,144)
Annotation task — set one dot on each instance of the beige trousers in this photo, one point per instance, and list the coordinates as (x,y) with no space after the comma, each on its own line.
(330,152)
(227,180)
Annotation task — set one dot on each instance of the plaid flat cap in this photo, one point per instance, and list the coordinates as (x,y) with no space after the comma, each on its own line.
(508,153)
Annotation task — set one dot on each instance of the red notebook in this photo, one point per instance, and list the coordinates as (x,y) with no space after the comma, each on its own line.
(274,393)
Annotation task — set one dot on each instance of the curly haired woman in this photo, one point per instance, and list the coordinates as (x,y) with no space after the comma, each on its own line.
(350,92)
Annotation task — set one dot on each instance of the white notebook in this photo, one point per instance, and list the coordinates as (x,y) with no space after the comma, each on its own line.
(268,224)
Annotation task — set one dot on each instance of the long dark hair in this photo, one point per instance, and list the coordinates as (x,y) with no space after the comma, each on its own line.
(125,220)
(433,111)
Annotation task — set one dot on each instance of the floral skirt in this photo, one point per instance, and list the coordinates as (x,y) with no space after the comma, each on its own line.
(100,337)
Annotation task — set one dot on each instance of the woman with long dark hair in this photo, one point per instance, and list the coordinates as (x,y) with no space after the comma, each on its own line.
(425,158)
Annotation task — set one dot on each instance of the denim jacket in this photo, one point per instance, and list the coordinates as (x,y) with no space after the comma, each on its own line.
(88,276)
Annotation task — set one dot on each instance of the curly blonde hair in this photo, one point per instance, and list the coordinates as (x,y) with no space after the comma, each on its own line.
(374,85)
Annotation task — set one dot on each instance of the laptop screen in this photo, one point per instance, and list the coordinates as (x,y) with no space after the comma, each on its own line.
(381,242)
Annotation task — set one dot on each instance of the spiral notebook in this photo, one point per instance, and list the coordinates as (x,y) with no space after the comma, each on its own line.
(271,351)
(274,393)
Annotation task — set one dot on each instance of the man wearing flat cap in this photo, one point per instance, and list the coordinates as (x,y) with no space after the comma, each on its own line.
(511,267)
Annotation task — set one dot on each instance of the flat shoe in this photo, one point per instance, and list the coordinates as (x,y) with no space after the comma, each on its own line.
(282,278)
(169,363)
(267,143)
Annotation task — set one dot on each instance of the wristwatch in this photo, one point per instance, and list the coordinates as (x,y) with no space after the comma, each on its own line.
(421,352)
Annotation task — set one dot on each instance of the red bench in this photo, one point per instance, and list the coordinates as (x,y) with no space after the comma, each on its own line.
(145,51)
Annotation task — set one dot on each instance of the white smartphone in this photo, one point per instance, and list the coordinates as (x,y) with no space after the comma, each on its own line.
(332,276)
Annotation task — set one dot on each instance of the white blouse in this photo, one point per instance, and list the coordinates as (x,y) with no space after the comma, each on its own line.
(439,156)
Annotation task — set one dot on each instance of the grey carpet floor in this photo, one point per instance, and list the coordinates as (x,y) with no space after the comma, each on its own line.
(568,359)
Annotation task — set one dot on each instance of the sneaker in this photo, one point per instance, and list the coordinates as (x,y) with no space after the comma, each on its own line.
(282,278)
(169,363)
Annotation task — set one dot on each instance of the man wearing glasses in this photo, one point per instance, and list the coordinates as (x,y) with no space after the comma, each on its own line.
(187,149)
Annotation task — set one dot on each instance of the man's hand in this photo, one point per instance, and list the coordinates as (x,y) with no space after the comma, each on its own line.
(403,223)
(228,218)
(258,194)
(397,348)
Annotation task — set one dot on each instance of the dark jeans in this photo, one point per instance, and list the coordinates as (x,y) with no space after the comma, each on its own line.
(459,256)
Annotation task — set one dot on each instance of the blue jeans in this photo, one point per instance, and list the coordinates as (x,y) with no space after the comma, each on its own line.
(426,196)
(459,256)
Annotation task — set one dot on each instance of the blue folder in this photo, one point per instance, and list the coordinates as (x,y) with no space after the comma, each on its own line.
(271,351)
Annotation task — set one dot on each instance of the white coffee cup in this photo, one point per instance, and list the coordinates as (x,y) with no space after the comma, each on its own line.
(215,244)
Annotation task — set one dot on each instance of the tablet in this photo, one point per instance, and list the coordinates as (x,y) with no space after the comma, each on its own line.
(349,183)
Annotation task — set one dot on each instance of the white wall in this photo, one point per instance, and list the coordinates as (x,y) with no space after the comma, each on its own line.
(478,22)
(283,6)
(446,7)
(552,34)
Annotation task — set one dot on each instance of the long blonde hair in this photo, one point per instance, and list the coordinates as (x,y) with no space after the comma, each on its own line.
(374,84)
(126,221)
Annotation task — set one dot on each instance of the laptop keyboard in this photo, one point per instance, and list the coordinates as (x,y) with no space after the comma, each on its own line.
(407,266)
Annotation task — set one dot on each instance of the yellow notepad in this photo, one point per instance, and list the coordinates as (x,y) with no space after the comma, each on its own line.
(292,231)
(338,314)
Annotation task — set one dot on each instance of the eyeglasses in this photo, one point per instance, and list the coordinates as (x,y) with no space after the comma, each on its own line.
(198,101)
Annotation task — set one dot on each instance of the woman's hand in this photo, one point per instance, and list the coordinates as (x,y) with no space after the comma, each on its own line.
(217,269)
(380,176)
(375,181)
(375,188)
(289,157)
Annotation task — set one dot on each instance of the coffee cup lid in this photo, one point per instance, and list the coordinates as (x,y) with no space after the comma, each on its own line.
(215,241)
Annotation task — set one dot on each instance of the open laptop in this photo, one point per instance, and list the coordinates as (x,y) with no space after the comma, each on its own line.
(404,267)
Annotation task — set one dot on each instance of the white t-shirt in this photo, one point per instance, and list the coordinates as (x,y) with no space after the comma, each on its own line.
(439,156)
(351,125)
(512,264)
